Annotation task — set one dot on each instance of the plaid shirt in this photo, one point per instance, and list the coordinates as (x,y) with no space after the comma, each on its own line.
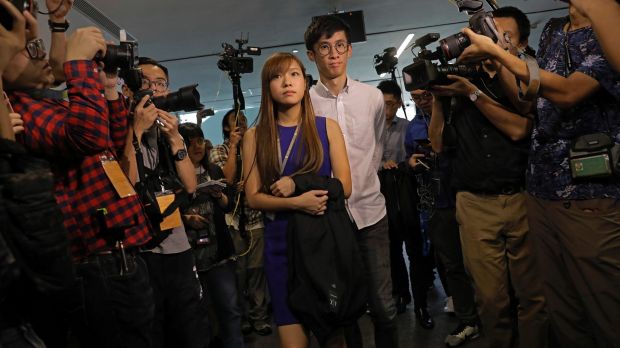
(72,135)
(219,157)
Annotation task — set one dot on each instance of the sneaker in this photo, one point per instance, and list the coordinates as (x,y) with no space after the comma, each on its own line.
(449,306)
(464,333)
(262,328)
(246,327)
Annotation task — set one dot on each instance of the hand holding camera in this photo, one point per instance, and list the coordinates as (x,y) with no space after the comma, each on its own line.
(58,9)
(481,47)
(144,116)
(460,87)
(85,43)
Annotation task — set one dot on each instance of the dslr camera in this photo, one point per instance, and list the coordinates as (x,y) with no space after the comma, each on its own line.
(232,59)
(21,5)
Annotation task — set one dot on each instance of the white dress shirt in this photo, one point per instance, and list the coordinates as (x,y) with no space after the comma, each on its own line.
(359,110)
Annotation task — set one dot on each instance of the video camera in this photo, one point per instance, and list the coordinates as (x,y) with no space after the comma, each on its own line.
(232,59)
(387,62)
(423,73)
(481,22)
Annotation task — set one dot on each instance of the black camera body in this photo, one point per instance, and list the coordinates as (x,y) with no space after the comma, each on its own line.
(186,98)
(233,61)
(387,62)
(21,5)
(123,56)
(423,74)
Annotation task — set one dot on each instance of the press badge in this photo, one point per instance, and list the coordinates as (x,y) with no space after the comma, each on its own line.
(116,176)
(164,199)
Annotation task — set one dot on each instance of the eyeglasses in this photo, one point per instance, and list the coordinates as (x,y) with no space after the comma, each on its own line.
(341,47)
(418,97)
(158,85)
(35,49)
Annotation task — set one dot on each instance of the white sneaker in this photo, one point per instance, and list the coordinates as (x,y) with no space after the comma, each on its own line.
(462,334)
(449,305)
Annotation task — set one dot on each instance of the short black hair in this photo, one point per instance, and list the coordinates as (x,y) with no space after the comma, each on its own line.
(522,21)
(390,87)
(151,61)
(325,25)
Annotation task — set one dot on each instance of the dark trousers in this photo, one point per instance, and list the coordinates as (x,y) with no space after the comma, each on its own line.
(251,278)
(444,234)
(421,266)
(117,309)
(221,290)
(177,295)
(577,247)
(374,246)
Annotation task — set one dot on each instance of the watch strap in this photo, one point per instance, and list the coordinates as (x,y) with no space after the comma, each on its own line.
(56,27)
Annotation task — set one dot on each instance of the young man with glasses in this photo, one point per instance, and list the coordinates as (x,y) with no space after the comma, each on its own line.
(399,188)
(166,165)
(443,229)
(359,110)
(102,215)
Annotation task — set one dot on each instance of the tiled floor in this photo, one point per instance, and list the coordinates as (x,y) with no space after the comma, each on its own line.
(410,334)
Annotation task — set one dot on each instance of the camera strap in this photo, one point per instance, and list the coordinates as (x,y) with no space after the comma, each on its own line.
(533,85)
(47,94)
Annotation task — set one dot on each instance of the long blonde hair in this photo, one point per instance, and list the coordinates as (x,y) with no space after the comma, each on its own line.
(267,130)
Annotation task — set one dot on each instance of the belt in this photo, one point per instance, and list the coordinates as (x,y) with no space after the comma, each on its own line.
(504,190)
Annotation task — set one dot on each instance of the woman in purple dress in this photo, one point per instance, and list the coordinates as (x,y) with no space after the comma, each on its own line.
(288,140)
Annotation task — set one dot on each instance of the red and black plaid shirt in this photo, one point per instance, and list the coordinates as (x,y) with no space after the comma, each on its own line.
(72,135)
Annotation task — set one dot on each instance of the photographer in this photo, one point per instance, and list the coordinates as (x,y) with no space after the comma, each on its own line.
(572,207)
(246,227)
(80,138)
(443,229)
(398,186)
(488,144)
(166,171)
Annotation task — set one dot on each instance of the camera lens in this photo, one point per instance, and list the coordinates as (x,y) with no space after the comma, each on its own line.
(454,45)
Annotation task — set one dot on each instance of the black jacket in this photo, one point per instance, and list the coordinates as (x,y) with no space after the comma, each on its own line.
(399,187)
(326,286)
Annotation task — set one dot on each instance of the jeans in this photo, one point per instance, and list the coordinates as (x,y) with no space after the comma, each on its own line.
(177,293)
(117,309)
(221,287)
(374,244)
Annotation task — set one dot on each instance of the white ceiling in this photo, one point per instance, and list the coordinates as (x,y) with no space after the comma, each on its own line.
(172,31)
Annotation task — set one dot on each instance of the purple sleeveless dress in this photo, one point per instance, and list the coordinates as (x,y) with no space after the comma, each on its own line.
(276,260)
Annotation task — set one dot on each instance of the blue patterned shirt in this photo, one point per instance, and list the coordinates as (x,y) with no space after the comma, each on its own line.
(549,174)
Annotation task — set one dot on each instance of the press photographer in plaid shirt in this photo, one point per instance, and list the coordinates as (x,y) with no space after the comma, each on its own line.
(80,133)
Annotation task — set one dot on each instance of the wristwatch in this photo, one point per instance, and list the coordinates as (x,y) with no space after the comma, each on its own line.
(474,96)
(180,155)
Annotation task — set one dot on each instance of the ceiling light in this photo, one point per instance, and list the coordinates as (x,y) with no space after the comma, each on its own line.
(404,45)
(295,50)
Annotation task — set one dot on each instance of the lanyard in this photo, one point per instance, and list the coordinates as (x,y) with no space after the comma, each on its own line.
(288,151)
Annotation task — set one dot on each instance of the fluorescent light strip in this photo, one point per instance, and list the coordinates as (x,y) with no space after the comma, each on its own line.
(401,49)
(404,45)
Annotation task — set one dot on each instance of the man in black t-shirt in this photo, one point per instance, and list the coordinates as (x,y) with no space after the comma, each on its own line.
(487,141)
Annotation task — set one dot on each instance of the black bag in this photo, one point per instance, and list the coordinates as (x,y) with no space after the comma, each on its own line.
(32,224)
